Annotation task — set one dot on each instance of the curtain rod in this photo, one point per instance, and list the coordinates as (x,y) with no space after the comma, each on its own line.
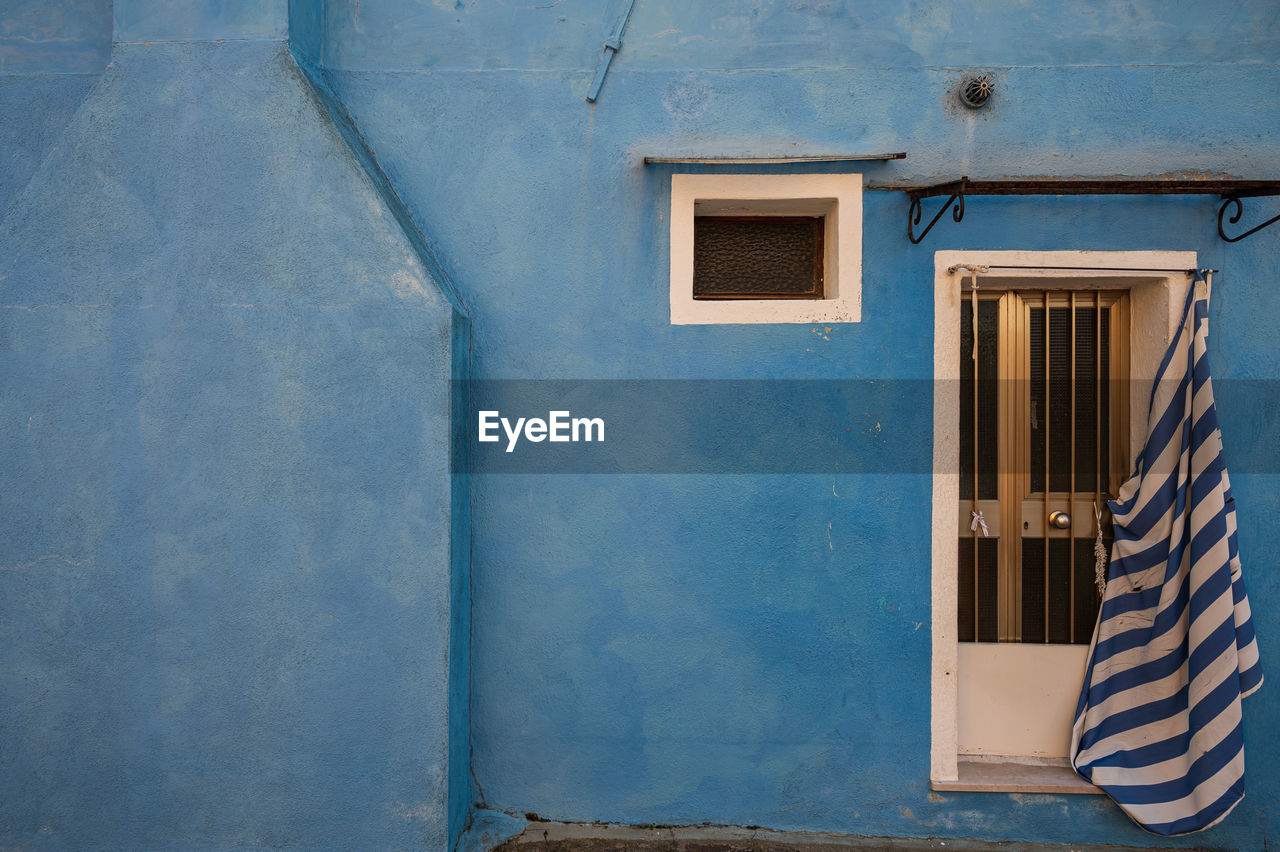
(989,266)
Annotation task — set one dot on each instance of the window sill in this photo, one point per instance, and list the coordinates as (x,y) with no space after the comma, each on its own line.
(1011,775)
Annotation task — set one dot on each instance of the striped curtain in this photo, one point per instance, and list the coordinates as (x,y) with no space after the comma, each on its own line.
(1158,726)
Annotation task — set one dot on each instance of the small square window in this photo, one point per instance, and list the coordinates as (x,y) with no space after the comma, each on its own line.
(766,248)
(757,257)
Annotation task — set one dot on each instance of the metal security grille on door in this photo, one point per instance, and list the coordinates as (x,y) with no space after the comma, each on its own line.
(1043,437)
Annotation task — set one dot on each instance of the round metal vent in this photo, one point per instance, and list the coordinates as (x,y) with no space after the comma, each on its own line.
(976,91)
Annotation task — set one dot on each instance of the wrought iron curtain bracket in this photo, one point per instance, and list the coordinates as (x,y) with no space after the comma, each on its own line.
(955,190)
(1231,191)
(1234,198)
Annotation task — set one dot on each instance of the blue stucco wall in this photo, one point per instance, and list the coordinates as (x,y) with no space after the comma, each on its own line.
(243,600)
(227,570)
(200,20)
(50,56)
(754,649)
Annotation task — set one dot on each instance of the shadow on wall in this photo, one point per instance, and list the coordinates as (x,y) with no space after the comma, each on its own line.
(228,574)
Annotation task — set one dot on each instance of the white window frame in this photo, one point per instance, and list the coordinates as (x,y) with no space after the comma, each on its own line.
(1047,677)
(837,197)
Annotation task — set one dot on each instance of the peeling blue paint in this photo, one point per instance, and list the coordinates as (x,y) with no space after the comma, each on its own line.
(489,829)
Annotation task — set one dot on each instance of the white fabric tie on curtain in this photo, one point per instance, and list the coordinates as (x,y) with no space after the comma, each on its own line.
(978,521)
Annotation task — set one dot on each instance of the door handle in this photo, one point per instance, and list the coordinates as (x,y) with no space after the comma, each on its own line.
(1059,520)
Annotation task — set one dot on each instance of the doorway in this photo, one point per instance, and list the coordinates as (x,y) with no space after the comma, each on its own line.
(1044,423)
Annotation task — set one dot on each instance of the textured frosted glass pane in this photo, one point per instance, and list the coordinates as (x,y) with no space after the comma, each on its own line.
(978,622)
(757,257)
(988,399)
(1059,414)
(1033,557)
(1059,590)
(1087,386)
(1046,572)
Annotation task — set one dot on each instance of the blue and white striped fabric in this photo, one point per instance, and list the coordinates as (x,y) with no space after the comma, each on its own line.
(1159,725)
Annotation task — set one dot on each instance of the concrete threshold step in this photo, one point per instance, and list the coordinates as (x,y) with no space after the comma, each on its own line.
(588,837)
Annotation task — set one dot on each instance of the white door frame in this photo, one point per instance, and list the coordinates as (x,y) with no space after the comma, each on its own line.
(1156,305)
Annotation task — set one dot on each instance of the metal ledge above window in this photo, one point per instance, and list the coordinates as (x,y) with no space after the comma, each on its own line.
(769,160)
(1230,191)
